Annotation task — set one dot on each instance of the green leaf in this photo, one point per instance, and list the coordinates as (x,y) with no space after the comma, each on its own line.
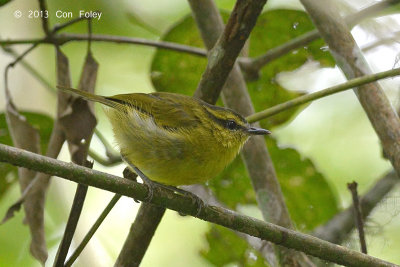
(178,72)
(308,196)
(225,247)
(43,123)
(233,185)
(275,28)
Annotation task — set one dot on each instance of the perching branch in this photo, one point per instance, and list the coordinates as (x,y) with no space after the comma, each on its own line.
(184,204)
(320,94)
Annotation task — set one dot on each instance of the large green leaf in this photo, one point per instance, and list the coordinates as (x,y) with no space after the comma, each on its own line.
(180,73)
(43,123)
(274,28)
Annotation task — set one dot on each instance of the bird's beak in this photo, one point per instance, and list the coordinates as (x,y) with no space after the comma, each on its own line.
(257,131)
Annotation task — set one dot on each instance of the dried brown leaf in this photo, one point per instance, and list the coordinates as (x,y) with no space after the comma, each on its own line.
(34,194)
(26,137)
(78,119)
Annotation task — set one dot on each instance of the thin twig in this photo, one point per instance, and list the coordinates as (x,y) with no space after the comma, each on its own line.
(89,48)
(359,217)
(109,161)
(11,65)
(184,204)
(370,11)
(64,38)
(92,230)
(128,175)
(393,38)
(110,152)
(44,15)
(59,27)
(31,70)
(72,222)
(140,235)
(339,227)
(322,93)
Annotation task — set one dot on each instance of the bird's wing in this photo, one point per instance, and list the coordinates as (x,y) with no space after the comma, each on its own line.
(168,110)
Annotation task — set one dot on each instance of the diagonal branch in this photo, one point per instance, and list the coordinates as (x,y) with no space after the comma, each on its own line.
(320,94)
(184,204)
(92,231)
(223,55)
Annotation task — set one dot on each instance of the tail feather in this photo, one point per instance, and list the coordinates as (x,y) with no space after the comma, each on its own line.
(89,96)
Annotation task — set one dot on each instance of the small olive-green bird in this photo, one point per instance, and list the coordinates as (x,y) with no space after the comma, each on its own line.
(174,139)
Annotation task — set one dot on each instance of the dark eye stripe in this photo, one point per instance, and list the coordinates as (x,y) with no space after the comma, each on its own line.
(224,123)
(239,117)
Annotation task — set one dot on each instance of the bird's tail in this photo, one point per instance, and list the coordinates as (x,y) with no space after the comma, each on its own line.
(89,96)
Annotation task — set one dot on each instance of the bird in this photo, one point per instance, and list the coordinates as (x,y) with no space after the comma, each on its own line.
(173,139)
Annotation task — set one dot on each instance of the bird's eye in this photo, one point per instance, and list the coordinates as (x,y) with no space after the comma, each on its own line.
(231,125)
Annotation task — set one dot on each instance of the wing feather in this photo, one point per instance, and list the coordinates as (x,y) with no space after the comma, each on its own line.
(167,109)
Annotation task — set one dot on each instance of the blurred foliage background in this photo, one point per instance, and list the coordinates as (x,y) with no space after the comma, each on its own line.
(316,149)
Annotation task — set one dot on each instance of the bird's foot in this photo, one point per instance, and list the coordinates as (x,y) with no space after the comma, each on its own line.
(130,175)
(152,185)
(195,198)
